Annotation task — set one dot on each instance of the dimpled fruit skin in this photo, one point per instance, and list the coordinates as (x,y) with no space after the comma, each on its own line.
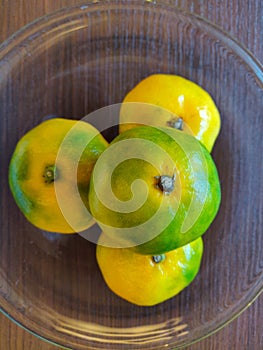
(38,149)
(182,97)
(141,281)
(192,184)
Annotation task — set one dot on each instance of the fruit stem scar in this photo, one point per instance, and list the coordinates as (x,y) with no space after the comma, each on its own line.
(50,173)
(176,123)
(158,258)
(166,183)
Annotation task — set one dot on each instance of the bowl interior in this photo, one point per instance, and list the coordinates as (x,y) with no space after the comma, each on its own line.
(84,58)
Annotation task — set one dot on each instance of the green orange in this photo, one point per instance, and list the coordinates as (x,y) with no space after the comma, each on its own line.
(56,156)
(148,280)
(154,189)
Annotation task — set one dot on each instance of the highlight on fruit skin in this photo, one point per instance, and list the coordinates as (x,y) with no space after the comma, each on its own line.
(174,101)
(147,280)
(50,168)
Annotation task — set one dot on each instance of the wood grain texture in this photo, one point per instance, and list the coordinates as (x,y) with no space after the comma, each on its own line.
(244,20)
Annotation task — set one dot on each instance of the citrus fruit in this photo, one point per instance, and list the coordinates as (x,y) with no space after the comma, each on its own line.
(35,170)
(148,280)
(155,189)
(191,108)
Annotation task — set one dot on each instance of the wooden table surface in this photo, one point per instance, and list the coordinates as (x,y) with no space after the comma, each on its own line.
(243,19)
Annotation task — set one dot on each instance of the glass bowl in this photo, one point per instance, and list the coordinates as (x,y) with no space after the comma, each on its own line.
(73,62)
